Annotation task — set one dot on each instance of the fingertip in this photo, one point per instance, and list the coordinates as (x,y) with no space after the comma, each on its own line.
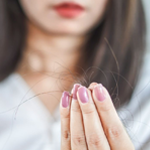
(91,86)
(101,94)
(65,99)
(105,90)
(83,95)
(74,90)
(65,105)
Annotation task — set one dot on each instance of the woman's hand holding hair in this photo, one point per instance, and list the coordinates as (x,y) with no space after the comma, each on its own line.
(89,121)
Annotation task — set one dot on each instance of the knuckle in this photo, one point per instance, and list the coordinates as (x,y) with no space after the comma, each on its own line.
(75,109)
(78,139)
(89,110)
(105,107)
(114,132)
(65,115)
(66,135)
(95,140)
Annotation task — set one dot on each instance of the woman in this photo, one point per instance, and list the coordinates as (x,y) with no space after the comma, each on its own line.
(48,46)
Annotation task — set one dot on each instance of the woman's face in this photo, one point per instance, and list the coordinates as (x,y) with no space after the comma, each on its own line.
(73,21)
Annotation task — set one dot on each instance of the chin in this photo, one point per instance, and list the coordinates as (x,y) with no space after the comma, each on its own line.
(64,31)
(68,30)
(58,27)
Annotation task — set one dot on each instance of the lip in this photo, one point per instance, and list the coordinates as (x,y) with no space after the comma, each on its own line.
(69,9)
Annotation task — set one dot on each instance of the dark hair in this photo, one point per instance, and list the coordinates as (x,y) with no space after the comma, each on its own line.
(112,54)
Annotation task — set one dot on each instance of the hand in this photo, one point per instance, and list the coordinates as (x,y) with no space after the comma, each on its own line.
(89,121)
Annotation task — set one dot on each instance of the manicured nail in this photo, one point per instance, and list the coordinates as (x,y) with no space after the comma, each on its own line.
(74,91)
(65,99)
(99,92)
(83,94)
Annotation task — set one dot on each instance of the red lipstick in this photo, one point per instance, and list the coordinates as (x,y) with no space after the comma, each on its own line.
(69,9)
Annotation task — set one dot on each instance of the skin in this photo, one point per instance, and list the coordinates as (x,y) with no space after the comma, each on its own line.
(53,40)
(53,46)
(94,125)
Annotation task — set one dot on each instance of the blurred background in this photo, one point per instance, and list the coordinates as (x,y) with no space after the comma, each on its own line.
(147,10)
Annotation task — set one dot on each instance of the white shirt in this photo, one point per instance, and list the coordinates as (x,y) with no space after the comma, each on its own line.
(25,123)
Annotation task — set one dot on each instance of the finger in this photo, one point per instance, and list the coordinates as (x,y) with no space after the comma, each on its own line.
(65,121)
(115,132)
(78,141)
(95,136)
(91,86)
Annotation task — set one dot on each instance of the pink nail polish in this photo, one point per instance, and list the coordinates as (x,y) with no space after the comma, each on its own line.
(99,92)
(65,99)
(74,91)
(83,94)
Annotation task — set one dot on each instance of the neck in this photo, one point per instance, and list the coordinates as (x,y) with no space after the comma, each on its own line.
(43,51)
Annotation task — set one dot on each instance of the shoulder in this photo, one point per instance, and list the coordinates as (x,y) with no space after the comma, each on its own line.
(20,124)
(9,90)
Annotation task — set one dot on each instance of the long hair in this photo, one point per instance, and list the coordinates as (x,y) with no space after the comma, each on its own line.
(112,55)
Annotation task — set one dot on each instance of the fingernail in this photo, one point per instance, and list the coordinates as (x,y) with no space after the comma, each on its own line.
(74,91)
(65,99)
(83,94)
(99,92)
